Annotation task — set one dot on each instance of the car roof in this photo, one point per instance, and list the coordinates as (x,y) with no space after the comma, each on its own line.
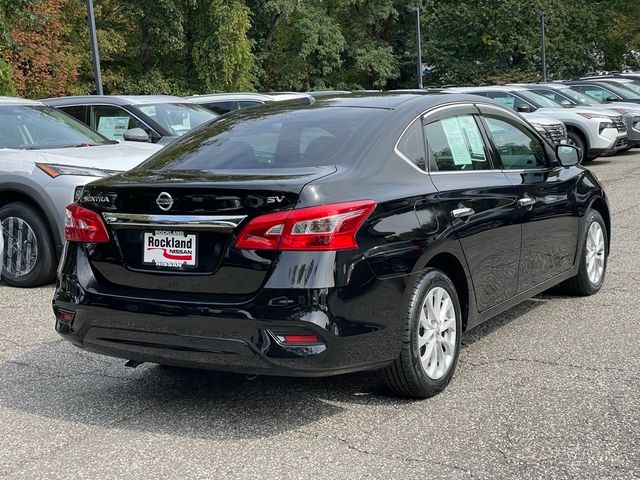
(113,99)
(247,96)
(17,101)
(489,88)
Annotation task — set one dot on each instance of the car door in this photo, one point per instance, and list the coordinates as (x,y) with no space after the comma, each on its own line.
(112,121)
(478,201)
(546,208)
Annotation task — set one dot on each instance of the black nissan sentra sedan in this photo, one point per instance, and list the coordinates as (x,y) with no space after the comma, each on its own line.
(354,233)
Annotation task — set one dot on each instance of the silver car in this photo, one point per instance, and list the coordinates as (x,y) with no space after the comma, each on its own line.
(46,157)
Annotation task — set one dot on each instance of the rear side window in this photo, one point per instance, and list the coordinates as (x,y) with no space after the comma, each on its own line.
(274,137)
(457,145)
(78,112)
(518,149)
(411,145)
(222,107)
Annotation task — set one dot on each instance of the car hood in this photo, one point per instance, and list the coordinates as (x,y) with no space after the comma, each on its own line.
(561,112)
(121,156)
(540,119)
(624,106)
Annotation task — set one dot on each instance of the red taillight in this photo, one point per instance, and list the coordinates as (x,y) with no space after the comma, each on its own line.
(82,225)
(325,227)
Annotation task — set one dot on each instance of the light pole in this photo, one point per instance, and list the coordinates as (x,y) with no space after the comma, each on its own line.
(419,47)
(542,49)
(91,20)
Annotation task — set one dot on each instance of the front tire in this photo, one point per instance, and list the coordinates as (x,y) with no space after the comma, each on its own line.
(577,141)
(593,260)
(431,343)
(29,258)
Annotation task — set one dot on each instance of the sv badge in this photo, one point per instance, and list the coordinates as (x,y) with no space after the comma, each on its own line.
(276,199)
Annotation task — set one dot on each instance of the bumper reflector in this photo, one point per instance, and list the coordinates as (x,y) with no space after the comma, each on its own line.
(66,316)
(298,338)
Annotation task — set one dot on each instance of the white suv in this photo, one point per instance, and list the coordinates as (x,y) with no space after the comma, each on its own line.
(596,132)
(46,157)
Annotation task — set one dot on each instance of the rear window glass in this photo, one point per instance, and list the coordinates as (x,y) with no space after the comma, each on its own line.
(273,137)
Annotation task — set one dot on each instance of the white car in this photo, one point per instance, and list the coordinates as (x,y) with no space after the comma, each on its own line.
(46,158)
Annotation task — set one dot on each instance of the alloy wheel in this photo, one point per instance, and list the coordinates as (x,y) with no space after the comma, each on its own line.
(20,247)
(437,333)
(595,255)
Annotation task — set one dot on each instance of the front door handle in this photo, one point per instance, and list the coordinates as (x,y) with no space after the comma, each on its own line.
(462,212)
(526,201)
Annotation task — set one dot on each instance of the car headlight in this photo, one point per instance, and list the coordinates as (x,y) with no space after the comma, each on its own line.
(605,125)
(54,170)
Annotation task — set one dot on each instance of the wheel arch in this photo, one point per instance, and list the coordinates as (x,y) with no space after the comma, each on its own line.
(600,205)
(10,193)
(580,131)
(454,269)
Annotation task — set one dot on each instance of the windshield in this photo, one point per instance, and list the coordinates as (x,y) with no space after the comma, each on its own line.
(31,127)
(177,118)
(631,85)
(623,90)
(538,100)
(273,137)
(578,97)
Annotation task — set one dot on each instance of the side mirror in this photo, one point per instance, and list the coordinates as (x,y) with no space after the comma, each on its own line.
(568,155)
(611,99)
(135,135)
(566,103)
(524,109)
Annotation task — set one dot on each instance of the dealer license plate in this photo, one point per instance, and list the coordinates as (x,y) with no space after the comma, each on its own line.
(169,249)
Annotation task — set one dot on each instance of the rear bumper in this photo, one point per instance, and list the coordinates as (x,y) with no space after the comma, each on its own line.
(359,325)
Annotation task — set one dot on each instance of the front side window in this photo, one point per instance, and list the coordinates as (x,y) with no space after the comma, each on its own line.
(76,111)
(39,127)
(112,121)
(457,145)
(508,100)
(177,118)
(518,149)
(595,91)
(411,145)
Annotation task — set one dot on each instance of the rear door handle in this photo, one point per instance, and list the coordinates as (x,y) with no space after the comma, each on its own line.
(462,212)
(526,201)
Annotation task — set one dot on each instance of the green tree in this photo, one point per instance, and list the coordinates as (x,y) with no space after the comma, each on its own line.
(221,53)
(7,87)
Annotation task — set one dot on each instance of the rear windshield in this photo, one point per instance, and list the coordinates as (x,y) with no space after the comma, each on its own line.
(268,137)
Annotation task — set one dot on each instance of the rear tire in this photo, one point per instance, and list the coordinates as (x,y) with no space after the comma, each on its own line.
(593,260)
(431,343)
(29,258)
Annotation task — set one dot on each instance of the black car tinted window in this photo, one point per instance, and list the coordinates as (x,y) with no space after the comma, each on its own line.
(411,145)
(273,138)
(457,145)
(518,149)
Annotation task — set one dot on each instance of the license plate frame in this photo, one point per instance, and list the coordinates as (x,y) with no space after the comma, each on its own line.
(170,249)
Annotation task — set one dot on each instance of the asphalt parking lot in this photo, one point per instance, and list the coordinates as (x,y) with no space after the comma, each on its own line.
(550,389)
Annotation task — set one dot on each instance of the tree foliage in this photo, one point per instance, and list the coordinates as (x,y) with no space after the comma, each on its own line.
(196,46)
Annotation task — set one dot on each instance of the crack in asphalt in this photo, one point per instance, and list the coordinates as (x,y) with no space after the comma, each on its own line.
(400,458)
